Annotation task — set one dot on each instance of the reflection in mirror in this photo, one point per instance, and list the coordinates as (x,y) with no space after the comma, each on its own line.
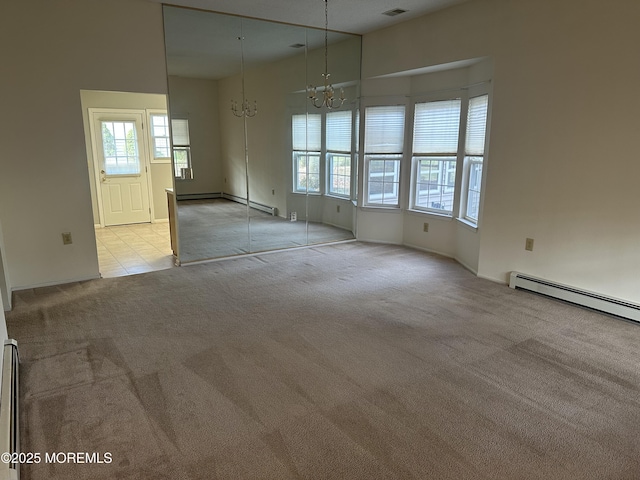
(295,164)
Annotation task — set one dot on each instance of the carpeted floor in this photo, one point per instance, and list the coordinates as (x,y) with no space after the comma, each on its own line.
(219,228)
(353,361)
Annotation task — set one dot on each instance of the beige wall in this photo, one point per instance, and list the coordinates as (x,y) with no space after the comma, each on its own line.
(4,283)
(52,51)
(197,101)
(561,164)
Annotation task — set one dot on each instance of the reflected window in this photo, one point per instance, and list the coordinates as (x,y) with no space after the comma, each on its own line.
(338,132)
(307,136)
(181,147)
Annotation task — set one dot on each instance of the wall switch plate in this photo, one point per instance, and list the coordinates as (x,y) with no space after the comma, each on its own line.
(528,244)
(425,227)
(66,238)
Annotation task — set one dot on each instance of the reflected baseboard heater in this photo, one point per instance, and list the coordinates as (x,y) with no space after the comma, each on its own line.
(258,206)
(9,415)
(585,298)
(234,198)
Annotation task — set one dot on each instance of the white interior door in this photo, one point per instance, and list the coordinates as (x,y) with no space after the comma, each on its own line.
(122,168)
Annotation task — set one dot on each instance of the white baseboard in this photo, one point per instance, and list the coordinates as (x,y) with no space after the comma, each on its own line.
(55,282)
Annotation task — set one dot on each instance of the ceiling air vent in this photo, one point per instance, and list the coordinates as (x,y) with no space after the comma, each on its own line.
(394,12)
(297,45)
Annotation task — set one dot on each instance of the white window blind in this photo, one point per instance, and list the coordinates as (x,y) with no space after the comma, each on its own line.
(384,129)
(476,125)
(180,131)
(339,131)
(307,132)
(436,127)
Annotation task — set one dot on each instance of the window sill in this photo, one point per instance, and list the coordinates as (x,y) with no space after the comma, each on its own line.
(313,194)
(380,208)
(468,224)
(441,216)
(338,197)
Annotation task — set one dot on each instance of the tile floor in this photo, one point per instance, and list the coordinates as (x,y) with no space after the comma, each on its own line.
(129,249)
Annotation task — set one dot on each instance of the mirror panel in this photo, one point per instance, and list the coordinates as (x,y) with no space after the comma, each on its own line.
(214,60)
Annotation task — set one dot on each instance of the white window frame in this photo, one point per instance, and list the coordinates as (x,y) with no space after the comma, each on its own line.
(471,159)
(151,138)
(335,153)
(378,200)
(298,155)
(443,158)
(325,160)
(331,174)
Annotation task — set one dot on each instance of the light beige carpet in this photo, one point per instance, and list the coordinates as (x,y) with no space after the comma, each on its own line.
(353,361)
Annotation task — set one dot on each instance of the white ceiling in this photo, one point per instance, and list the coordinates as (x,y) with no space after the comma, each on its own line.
(352,16)
(201,43)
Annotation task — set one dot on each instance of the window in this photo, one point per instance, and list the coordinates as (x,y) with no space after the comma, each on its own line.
(181,147)
(383,147)
(435,154)
(307,135)
(120,147)
(339,153)
(474,154)
(160,145)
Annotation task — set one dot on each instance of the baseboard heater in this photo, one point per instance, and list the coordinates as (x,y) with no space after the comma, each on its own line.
(585,298)
(9,414)
(258,206)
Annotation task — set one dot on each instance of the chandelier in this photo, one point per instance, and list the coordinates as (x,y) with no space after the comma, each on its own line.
(244,109)
(327,97)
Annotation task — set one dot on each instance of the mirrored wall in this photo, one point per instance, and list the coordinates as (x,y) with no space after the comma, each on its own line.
(258,167)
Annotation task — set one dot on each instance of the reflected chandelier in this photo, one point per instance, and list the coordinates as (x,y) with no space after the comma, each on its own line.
(245,109)
(327,98)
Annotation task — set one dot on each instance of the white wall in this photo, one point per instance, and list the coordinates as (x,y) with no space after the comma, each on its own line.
(52,51)
(561,164)
(197,101)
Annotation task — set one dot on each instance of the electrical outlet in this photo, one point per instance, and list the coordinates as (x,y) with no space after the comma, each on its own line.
(66,238)
(425,227)
(528,244)
(338,208)
(293,216)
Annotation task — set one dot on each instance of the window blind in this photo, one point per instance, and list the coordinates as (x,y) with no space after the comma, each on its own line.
(384,129)
(307,131)
(436,126)
(339,131)
(180,131)
(476,125)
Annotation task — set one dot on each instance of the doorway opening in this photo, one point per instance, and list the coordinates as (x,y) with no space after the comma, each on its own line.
(130,169)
